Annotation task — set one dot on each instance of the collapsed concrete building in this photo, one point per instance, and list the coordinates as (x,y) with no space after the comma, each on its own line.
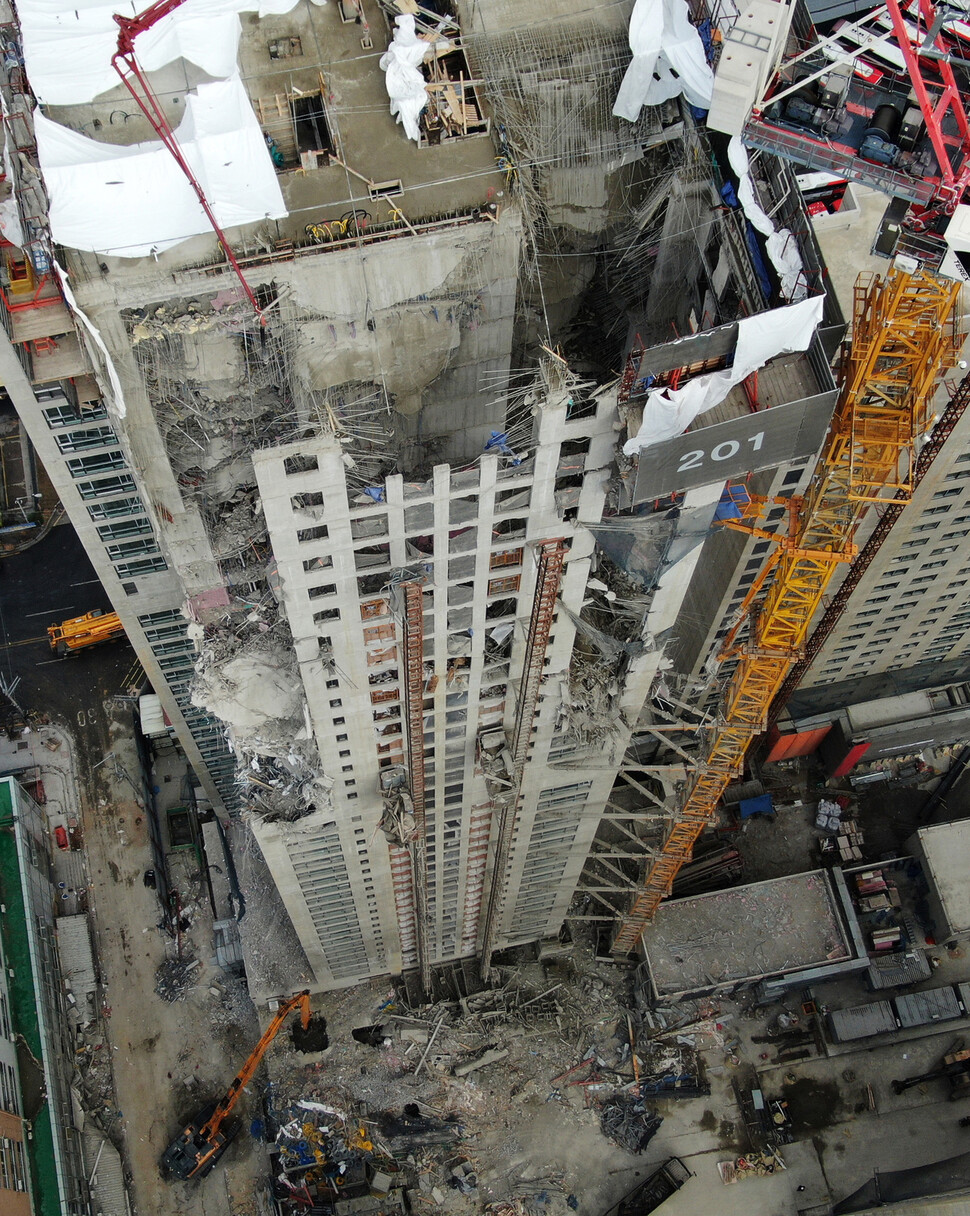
(371,472)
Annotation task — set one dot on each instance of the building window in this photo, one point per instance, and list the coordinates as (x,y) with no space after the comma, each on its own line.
(336,704)
(504,586)
(107,485)
(103,462)
(129,588)
(132,505)
(148,565)
(129,527)
(312,498)
(166,616)
(323,589)
(68,415)
(300,464)
(328,614)
(319,532)
(82,441)
(378,633)
(132,548)
(317,563)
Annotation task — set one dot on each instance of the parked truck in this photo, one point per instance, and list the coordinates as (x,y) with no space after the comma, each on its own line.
(80,632)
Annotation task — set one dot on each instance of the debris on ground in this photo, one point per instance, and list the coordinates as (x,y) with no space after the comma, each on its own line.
(176,977)
(414,1102)
(629,1122)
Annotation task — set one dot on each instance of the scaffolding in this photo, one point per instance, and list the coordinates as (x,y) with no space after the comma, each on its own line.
(903,338)
(414,683)
(551,557)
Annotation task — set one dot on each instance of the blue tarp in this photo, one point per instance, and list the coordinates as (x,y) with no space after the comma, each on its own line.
(756,806)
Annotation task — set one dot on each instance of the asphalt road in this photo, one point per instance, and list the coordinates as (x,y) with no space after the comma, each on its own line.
(51,581)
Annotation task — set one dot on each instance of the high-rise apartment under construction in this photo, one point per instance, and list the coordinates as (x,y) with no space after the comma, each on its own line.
(376,431)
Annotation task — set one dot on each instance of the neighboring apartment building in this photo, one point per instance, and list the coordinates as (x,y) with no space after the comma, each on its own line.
(45,1168)
(912,605)
(334,529)
(14,1172)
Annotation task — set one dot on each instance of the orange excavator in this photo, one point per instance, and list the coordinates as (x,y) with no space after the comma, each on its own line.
(196,1149)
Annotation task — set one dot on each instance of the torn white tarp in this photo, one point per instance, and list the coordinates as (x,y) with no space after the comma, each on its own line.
(10,225)
(668,59)
(117,396)
(401,64)
(780,243)
(68,48)
(133,201)
(668,413)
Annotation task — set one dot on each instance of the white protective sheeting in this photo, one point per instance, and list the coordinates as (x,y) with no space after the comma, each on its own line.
(780,243)
(401,64)
(667,413)
(68,51)
(117,396)
(668,59)
(132,201)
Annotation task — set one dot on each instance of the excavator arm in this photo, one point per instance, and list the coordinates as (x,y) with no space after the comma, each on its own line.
(195,1150)
(210,1128)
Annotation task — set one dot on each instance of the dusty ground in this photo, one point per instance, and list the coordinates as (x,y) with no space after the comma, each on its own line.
(167,1058)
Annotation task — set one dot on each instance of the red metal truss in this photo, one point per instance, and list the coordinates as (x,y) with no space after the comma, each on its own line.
(935,109)
(126,65)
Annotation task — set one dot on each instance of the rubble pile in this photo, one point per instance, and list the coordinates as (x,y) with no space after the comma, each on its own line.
(176,977)
(248,679)
(628,1122)
(414,1105)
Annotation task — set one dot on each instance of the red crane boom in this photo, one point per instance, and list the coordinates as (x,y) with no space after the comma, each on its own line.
(126,65)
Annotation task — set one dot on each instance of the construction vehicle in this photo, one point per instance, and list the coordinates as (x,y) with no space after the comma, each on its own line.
(199,1145)
(81,632)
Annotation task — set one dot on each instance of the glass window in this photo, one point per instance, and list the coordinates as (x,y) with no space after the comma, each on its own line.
(66,414)
(107,485)
(148,565)
(132,505)
(103,462)
(127,527)
(91,437)
(133,548)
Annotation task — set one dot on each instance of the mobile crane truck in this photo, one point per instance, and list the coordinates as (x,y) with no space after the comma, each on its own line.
(80,632)
(196,1149)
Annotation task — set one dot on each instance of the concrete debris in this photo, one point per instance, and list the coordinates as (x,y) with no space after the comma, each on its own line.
(176,977)
(492,1056)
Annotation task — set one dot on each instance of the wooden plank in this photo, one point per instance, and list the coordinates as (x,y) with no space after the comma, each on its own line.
(69,359)
(44,322)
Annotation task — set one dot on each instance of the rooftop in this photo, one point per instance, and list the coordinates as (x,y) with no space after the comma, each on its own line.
(706,941)
(945,848)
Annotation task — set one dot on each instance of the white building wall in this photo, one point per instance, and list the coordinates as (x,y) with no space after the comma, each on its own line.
(470,533)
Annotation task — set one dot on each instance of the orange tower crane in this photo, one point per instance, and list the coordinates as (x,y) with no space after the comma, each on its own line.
(903,338)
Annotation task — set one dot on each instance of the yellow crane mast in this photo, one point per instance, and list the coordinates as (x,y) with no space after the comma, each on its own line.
(903,339)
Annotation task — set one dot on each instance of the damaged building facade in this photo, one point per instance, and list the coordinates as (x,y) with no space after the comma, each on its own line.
(374,477)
